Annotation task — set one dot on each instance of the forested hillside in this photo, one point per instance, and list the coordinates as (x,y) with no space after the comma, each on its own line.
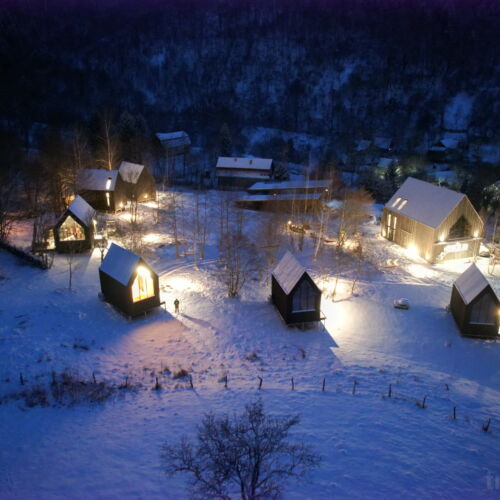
(339,69)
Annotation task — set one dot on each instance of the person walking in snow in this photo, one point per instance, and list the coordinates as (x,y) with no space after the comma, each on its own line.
(176,305)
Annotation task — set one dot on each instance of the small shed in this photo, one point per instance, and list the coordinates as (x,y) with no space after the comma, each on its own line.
(474,304)
(128,282)
(74,231)
(104,190)
(139,182)
(294,293)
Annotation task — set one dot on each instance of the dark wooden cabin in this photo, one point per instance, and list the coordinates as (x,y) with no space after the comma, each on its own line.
(433,222)
(241,173)
(294,293)
(104,190)
(176,147)
(139,182)
(128,282)
(475,305)
(74,231)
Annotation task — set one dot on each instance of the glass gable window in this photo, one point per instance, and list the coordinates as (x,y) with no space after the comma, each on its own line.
(304,298)
(461,229)
(483,311)
(70,230)
(143,285)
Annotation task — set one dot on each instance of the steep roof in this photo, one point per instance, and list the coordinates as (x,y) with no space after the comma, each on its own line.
(383,142)
(130,172)
(119,264)
(244,163)
(288,272)
(96,179)
(425,202)
(174,139)
(471,283)
(82,210)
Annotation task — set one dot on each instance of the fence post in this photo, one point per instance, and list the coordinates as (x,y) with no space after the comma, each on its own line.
(324,382)
(260,382)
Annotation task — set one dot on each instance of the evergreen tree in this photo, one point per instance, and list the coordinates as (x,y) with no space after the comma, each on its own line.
(225,143)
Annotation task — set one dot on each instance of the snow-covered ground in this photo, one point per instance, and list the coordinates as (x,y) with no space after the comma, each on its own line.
(371,446)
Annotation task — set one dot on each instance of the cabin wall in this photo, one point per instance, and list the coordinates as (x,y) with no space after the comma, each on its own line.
(144,189)
(458,308)
(115,293)
(308,316)
(279,299)
(77,246)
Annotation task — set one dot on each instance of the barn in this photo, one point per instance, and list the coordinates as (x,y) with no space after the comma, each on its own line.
(475,305)
(241,173)
(432,222)
(74,231)
(139,182)
(128,282)
(294,293)
(104,190)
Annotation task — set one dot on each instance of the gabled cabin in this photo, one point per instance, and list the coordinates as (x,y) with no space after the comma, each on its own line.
(74,231)
(432,222)
(294,293)
(241,173)
(475,305)
(139,182)
(128,282)
(176,147)
(104,190)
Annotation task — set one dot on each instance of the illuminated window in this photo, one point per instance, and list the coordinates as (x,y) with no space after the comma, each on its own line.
(70,230)
(108,202)
(403,203)
(143,285)
(304,298)
(483,311)
(396,202)
(108,184)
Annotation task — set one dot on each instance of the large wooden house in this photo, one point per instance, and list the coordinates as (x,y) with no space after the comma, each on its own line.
(139,182)
(104,190)
(433,222)
(128,282)
(241,173)
(294,293)
(475,305)
(74,231)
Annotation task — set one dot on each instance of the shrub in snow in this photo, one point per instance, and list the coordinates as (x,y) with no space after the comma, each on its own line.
(181,373)
(247,456)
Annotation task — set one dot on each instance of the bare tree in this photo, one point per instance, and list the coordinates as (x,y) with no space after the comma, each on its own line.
(41,244)
(247,456)
(108,150)
(174,207)
(7,190)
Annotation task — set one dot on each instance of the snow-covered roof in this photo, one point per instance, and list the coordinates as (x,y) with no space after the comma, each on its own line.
(265,186)
(82,210)
(96,179)
(424,202)
(383,142)
(363,145)
(174,139)
(385,162)
(288,272)
(445,143)
(471,283)
(279,197)
(119,264)
(130,172)
(244,163)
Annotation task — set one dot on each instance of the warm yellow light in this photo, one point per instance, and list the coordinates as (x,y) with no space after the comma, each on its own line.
(442,237)
(146,196)
(142,271)
(476,234)
(427,256)
(108,202)
(412,250)
(383,232)
(108,184)
(289,222)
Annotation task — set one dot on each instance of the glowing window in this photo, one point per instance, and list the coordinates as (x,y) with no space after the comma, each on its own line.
(70,230)
(108,184)
(403,203)
(304,298)
(143,285)
(108,202)
(396,202)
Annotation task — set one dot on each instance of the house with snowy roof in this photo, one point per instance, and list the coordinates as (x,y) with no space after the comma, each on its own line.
(475,305)
(74,231)
(383,143)
(139,182)
(232,172)
(104,190)
(294,292)
(432,222)
(176,147)
(128,282)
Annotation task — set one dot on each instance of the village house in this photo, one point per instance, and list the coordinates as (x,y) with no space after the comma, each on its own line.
(475,305)
(294,293)
(128,282)
(241,173)
(176,147)
(432,222)
(74,231)
(104,190)
(139,183)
